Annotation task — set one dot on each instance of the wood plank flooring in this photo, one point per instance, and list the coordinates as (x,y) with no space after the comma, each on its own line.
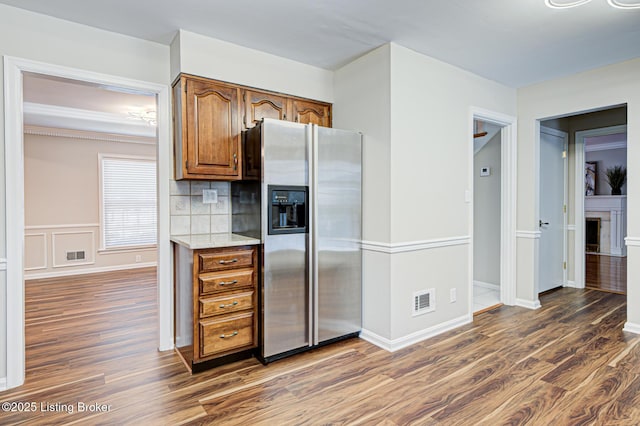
(92,340)
(606,273)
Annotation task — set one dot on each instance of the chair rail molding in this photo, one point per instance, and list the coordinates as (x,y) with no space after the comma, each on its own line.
(392,248)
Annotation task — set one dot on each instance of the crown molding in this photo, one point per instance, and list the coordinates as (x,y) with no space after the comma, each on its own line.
(87,135)
(53,116)
(605,146)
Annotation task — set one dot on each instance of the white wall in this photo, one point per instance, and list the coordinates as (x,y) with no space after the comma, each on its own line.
(362,103)
(37,37)
(415,113)
(486,214)
(607,86)
(193,53)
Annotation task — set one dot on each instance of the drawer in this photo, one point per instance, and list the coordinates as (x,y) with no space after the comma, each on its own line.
(225,281)
(227,333)
(228,259)
(226,304)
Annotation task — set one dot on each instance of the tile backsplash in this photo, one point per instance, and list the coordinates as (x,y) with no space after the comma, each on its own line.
(189,215)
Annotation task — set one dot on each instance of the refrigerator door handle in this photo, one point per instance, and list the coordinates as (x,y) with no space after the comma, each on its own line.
(314,231)
(311,235)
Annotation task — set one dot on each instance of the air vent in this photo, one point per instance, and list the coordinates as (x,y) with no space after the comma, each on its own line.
(424,301)
(75,255)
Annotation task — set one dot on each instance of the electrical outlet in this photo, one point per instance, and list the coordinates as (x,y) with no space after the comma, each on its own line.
(138,258)
(452,295)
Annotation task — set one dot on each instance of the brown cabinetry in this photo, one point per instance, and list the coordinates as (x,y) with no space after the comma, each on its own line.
(219,298)
(259,105)
(210,115)
(307,112)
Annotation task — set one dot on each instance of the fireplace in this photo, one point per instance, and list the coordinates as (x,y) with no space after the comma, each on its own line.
(592,234)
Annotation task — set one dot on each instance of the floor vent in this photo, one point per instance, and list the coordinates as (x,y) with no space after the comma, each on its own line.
(424,301)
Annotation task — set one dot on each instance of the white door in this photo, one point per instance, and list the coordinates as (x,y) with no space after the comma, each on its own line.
(552,225)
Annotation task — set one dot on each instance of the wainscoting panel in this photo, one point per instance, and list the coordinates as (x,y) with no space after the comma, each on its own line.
(35,249)
(73,241)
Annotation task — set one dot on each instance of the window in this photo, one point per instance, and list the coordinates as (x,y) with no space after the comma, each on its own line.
(128,193)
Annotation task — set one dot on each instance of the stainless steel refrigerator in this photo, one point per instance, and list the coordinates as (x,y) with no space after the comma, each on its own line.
(304,203)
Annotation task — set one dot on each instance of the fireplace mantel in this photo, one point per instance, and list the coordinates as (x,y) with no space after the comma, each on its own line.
(616,205)
(605,203)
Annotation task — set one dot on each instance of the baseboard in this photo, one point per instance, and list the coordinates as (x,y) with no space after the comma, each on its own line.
(631,328)
(84,271)
(483,284)
(529,304)
(571,284)
(3,384)
(413,338)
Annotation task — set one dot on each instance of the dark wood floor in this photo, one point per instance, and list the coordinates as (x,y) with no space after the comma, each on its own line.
(606,273)
(568,363)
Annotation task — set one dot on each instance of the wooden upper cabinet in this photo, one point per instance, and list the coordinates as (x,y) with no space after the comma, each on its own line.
(209,117)
(210,131)
(259,105)
(310,112)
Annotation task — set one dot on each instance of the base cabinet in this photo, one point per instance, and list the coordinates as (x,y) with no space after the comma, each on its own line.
(216,304)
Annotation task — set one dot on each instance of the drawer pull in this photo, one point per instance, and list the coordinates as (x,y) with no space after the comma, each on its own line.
(226,336)
(224,262)
(228,282)
(235,302)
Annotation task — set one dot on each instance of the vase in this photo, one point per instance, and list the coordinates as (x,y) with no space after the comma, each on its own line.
(616,191)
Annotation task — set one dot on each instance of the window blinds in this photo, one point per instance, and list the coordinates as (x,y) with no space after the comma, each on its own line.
(129,215)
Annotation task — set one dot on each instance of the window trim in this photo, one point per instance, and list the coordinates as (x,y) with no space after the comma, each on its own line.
(102,247)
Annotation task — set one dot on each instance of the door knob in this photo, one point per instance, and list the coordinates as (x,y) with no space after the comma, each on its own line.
(543,223)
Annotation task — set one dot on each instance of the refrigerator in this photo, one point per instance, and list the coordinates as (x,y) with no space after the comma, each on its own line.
(301,195)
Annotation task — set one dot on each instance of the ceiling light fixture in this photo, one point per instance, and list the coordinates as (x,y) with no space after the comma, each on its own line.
(150,117)
(566,4)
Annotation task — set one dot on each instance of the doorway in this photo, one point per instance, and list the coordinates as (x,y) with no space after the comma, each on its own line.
(15,70)
(602,209)
(602,129)
(496,218)
(487,140)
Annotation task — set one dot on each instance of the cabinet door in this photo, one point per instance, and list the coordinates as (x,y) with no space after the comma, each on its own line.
(259,105)
(212,130)
(308,112)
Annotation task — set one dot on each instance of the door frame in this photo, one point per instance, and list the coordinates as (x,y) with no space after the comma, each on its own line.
(579,234)
(508,198)
(565,199)
(14,68)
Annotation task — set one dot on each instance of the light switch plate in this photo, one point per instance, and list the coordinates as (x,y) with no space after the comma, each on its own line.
(485,171)
(210,196)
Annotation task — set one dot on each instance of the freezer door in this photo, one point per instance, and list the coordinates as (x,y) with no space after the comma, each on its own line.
(285,291)
(337,233)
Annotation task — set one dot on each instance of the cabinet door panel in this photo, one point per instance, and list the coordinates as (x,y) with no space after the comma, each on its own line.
(213,135)
(259,105)
(307,112)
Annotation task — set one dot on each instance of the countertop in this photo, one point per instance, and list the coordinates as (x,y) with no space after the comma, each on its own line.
(204,241)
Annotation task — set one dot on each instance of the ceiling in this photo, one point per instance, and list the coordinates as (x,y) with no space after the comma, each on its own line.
(514,42)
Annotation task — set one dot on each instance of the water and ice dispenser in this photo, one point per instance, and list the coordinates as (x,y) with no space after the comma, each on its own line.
(287,209)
